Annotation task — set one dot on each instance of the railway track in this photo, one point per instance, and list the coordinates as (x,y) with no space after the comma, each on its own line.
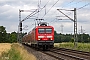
(74,51)
(68,54)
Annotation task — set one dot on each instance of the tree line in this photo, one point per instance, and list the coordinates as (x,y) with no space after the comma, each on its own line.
(7,37)
(12,37)
(84,38)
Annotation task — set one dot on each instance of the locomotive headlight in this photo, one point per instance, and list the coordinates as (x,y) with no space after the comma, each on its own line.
(51,39)
(38,38)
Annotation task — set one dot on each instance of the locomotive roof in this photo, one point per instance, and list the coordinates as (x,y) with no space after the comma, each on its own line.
(44,27)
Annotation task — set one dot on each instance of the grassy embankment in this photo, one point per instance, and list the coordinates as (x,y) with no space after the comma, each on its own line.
(69,45)
(17,52)
(4,47)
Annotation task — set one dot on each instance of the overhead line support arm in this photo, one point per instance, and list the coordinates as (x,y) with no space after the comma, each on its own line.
(65,15)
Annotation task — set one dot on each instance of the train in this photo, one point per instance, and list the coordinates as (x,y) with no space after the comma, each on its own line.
(42,36)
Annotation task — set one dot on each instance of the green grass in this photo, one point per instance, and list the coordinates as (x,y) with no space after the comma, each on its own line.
(17,52)
(84,47)
(12,54)
(80,46)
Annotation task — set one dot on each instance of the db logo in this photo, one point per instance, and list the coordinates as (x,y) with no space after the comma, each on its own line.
(45,36)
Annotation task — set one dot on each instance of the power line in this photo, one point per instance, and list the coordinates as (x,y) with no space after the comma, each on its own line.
(68,3)
(84,6)
(55,11)
(52,16)
(30,15)
(71,1)
(46,4)
(53,20)
(74,3)
(43,6)
(33,13)
(77,3)
(51,8)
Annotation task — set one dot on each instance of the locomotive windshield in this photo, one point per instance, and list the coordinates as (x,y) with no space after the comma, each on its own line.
(45,30)
(41,31)
(49,30)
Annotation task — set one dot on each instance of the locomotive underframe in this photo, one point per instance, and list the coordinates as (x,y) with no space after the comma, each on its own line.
(45,44)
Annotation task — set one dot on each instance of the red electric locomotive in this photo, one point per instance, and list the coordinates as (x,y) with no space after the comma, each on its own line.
(42,36)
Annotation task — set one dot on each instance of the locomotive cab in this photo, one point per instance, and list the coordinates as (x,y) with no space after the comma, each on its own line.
(45,36)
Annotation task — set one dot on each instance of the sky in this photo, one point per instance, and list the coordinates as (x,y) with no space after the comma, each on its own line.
(9,14)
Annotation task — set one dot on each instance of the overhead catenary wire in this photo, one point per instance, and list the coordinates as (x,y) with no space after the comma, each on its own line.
(79,2)
(51,8)
(53,5)
(39,3)
(52,15)
(40,9)
(34,12)
(83,6)
(55,11)
(30,15)
(68,3)
(76,3)
(73,3)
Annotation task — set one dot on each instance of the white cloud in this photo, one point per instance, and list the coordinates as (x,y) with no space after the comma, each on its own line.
(9,14)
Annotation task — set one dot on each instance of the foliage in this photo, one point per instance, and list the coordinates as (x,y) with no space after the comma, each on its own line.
(2,34)
(80,46)
(14,55)
(13,37)
(7,37)
(85,38)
